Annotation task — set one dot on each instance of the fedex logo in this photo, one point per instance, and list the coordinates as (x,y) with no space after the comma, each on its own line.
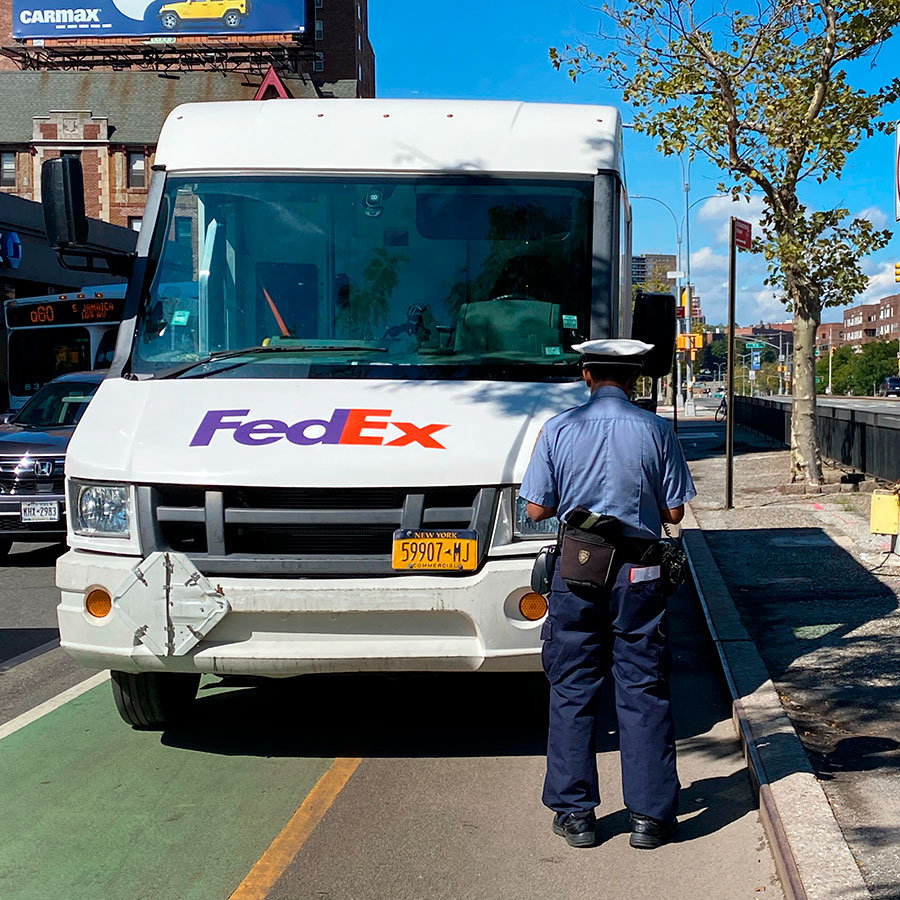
(346,426)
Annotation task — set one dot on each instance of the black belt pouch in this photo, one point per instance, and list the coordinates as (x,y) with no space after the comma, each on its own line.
(588,558)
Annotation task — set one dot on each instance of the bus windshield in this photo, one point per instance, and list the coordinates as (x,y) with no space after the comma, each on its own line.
(428,277)
(39,355)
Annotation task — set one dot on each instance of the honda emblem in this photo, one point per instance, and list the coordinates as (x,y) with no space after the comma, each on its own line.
(43,469)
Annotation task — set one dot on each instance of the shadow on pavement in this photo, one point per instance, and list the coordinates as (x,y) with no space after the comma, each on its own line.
(705,807)
(439,714)
(16,641)
(39,555)
(807,603)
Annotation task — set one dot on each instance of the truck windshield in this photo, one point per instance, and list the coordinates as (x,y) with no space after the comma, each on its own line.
(430,277)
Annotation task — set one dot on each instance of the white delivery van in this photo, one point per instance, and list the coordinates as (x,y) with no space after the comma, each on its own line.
(310,463)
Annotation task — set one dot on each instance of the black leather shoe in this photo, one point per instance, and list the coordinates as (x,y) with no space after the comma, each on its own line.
(579,829)
(648,834)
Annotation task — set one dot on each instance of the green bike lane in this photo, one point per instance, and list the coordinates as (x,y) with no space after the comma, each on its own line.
(93,810)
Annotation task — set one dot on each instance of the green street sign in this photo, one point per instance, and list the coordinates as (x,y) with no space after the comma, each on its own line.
(755,345)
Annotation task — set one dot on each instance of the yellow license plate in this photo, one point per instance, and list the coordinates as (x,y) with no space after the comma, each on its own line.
(451,551)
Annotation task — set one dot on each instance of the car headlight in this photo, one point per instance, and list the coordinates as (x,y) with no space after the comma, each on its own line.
(525,528)
(100,510)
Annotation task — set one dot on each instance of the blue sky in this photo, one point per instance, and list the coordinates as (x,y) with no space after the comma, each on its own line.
(498,50)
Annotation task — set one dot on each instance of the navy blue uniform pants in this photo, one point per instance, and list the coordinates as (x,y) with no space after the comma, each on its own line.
(587,634)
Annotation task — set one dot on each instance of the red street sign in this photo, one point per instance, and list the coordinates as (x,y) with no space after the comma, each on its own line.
(742,235)
(679,314)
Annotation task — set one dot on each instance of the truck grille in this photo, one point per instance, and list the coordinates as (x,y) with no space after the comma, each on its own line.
(303,532)
(19,477)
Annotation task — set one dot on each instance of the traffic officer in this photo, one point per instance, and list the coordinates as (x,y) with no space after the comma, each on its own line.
(615,459)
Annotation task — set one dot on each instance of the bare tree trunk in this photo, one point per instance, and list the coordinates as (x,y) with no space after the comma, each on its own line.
(806,461)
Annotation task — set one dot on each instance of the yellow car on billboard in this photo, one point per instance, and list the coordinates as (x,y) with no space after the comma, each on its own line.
(230,12)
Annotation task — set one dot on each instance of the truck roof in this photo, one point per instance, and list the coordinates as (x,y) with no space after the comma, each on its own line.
(392,136)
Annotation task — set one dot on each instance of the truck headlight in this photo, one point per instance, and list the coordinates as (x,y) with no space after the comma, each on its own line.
(525,528)
(100,510)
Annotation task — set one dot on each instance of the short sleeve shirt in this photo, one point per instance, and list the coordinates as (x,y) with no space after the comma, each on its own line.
(612,457)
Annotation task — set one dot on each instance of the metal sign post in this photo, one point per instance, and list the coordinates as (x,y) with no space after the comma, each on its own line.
(739,235)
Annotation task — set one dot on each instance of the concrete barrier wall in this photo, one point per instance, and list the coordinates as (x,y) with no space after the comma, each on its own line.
(867,441)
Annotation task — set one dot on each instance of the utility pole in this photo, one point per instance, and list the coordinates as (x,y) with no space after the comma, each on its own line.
(689,298)
(729,387)
(780,364)
(830,354)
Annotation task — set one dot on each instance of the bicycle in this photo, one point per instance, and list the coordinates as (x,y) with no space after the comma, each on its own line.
(722,411)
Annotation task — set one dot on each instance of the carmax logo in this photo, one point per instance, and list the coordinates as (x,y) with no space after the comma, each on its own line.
(346,426)
(59,16)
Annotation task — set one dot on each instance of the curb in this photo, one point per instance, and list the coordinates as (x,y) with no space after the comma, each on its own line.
(811,855)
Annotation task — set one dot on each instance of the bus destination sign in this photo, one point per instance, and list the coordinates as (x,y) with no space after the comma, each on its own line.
(72,310)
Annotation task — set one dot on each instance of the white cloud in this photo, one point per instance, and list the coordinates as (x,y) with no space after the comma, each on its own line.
(876,215)
(720,209)
(706,260)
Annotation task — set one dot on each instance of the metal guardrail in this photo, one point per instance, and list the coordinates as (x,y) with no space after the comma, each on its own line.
(868,441)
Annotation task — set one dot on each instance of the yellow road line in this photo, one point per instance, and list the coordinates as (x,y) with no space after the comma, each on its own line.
(278,856)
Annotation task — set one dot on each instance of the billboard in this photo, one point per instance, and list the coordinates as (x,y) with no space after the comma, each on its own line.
(80,19)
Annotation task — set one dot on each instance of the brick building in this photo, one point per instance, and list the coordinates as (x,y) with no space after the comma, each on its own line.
(111,119)
(650,269)
(860,324)
(829,334)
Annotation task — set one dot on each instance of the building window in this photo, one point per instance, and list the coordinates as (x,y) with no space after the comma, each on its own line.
(319,64)
(320,30)
(359,42)
(318,4)
(8,169)
(137,177)
(135,222)
(359,11)
(71,154)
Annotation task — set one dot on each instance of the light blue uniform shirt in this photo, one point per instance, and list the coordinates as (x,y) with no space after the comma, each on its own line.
(612,457)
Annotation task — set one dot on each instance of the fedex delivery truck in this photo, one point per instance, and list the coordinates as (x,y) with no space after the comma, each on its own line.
(310,461)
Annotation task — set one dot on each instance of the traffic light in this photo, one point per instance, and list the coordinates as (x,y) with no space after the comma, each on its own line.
(897,272)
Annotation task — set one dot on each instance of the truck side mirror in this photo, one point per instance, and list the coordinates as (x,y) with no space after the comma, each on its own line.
(62,196)
(653,322)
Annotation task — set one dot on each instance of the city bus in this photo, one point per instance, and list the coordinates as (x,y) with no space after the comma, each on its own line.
(58,333)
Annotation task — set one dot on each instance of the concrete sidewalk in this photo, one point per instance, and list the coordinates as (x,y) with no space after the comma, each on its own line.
(796,577)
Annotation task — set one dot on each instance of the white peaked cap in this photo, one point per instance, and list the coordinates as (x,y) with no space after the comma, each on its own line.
(622,352)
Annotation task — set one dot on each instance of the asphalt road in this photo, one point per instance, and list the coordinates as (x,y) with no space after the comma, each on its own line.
(442,796)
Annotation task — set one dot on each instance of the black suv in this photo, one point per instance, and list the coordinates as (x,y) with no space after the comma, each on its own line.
(890,387)
(33,444)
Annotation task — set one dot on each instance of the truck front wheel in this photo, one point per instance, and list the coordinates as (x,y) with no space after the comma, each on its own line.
(154,699)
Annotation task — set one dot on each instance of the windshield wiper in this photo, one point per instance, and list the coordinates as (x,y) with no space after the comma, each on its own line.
(254,351)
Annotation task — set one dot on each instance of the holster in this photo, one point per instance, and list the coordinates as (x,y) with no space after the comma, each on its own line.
(588,558)
(542,571)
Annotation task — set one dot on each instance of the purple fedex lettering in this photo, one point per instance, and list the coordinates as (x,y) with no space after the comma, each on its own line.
(262,431)
(214,421)
(326,431)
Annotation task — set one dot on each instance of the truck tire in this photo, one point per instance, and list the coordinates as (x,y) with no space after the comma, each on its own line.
(154,699)
(169,20)
(232,18)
